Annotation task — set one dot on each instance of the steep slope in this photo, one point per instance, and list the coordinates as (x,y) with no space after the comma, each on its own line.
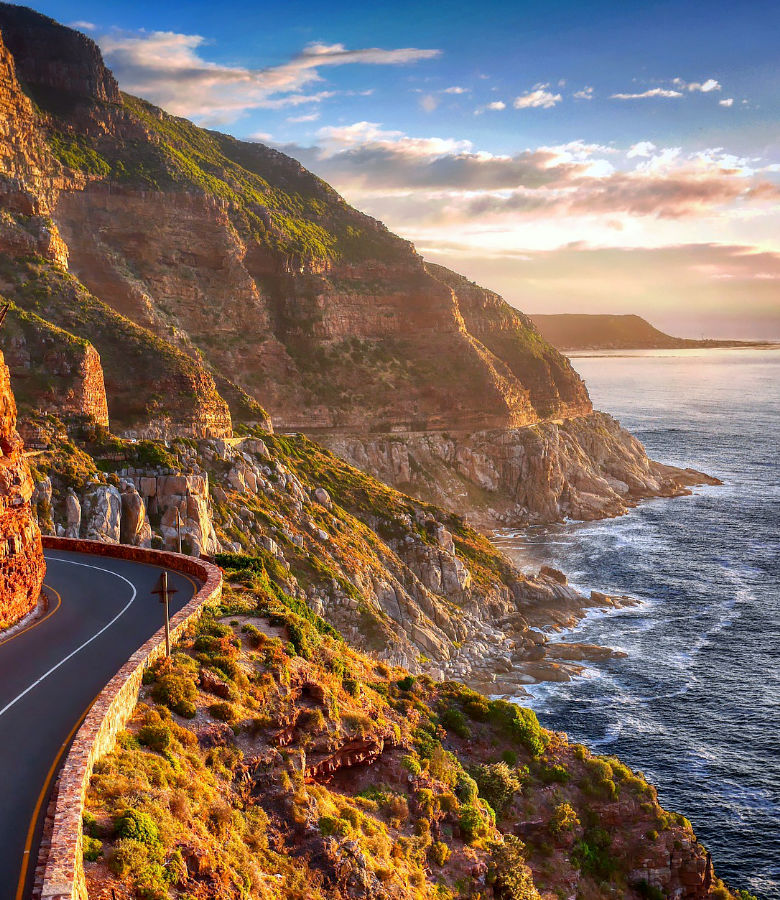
(577,331)
(21,556)
(268,761)
(313,308)
(152,387)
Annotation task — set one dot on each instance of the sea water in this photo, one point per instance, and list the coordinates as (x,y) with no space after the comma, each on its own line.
(695,703)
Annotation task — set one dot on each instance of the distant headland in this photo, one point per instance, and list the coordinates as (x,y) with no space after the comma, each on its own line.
(575,331)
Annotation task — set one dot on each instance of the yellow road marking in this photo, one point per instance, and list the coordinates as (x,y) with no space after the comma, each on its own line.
(37,622)
(57,758)
(39,802)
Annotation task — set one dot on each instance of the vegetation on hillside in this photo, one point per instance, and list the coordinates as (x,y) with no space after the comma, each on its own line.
(267,759)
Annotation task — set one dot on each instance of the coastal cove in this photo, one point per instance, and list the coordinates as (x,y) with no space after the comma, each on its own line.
(695,700)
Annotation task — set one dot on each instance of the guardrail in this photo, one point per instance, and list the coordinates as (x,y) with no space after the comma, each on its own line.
(60,873)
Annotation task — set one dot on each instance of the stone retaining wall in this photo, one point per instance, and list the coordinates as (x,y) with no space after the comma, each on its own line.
(62,873)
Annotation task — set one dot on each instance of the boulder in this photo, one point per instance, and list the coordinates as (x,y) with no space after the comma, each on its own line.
(102,513)
(72,515)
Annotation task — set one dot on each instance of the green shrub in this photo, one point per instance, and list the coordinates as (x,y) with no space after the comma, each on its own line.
(439,852)
(454,720)
(497,784)
(554,774)
(137,826)
(156,737)
(466,789)
(509,873)
(406,683)
(225,712)
(520,724)
(473,822)
(89,823)
(411,764)
(649,891)
(591,854)
(564,818)
(329,825)
(176,689)
(92,848)
(510,758)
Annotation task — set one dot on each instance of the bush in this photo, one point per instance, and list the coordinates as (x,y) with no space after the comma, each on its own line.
(473,823)
(406,683)
(649,891)
(509,872)
(466,789)
(592,855)
(555,774)
(454,720)
(137,826)
(225,712)
(176,689)
(439,852)
(520,724)
(411,764)
(156,737)
(497,784)
(92,848)
(564,818)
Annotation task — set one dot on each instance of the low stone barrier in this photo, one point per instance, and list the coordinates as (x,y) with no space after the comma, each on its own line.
(61,866)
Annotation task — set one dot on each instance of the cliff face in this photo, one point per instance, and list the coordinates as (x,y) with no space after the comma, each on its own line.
(237,255)
(53,371)
(152,387)
(21,556)
(580,468)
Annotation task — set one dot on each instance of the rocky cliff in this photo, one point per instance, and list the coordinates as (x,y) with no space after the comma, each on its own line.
(21,556)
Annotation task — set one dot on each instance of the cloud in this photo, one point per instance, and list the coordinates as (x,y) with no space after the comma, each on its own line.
(585,94)
(641,148)
(652,92)
(455,89)
(495,106)
(727,101)
(167,68)
(705,87)
(428,102)
(539,98)
(81,25)
(307,117)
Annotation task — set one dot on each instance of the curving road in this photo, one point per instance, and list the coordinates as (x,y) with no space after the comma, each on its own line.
(100,611)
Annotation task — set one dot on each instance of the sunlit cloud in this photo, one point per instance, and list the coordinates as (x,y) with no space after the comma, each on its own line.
(168,69)
(539,98)
(727,101)
(705,87)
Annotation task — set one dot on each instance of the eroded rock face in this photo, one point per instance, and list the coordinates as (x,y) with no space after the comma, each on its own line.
(21,556)
(586,467)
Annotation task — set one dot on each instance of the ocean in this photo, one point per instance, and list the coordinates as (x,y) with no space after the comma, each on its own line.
(695,704)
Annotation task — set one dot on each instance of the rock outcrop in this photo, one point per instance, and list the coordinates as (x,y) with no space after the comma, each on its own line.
(581,468)
(21,556)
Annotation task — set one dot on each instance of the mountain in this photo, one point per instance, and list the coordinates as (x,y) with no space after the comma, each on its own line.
(576,331)
(215,279)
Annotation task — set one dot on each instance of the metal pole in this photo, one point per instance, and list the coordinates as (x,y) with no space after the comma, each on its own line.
(167,617)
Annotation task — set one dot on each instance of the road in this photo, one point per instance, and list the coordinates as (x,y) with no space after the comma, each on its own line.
(100,612)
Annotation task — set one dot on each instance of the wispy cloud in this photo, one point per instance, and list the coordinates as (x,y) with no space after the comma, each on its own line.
(665,93)
(168,69)
(307,117)
(727,101)
(541,97)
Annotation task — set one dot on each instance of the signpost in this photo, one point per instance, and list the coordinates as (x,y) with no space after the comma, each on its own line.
(164,592)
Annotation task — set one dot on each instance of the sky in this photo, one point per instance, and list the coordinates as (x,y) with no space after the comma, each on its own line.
(576,157)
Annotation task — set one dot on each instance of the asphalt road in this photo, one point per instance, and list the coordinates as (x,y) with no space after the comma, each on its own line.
(101,611)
